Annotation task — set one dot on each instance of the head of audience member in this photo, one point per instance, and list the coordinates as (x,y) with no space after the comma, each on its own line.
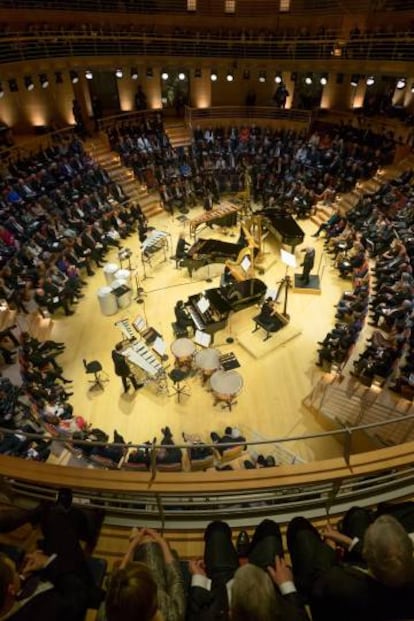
(132,595)
(9,584)
(253,596)
(388,551)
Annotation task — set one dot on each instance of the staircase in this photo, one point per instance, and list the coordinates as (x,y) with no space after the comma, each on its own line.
(178,134)
(110,161)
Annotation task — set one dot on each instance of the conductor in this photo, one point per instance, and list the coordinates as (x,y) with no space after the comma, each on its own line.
(307,264)
(122,369)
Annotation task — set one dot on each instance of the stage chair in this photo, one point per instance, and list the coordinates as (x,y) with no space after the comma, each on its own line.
(177,376)
(94,368)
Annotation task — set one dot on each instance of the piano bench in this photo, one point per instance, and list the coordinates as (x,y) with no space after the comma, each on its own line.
(268,327)
(179,331)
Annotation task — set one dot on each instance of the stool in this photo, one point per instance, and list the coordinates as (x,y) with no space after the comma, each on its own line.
(177,376)
(179,331)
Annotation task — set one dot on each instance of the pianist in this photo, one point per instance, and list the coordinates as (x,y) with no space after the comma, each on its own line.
(182,317)
(122,369)
(181,250)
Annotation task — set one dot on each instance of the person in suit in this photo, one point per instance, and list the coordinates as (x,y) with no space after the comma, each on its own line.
(180,249)
(212,578)
(122,369)
(380,581)
(307,264)
(54,583)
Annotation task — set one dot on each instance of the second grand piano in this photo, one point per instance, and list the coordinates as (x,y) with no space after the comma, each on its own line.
(210,310)
(207,251)
(283,227)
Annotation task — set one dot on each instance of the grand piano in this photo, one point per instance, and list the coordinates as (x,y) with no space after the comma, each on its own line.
(207,251)
(210,310)
(283,227)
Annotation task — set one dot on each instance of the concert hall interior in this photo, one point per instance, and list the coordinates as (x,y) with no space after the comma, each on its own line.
(239,95)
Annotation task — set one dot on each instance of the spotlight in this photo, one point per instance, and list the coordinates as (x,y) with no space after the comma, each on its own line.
(44,82)
(1,91)
(149,72)
(134,73)
(119,73)
(324,79)
(412,87)
(58,77)
(88,74)
(165,75)
(262,77)
(229,77)
(246,74)
(213,76)
(181,76)
(401,83)
(197,72)
(355,79)
(13,86)
(370,81)
(278,78)
(74,76)
(308,79)
(28,82)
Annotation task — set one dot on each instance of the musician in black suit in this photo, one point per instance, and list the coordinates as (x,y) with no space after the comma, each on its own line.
(122,369)
(182,318)
(180,249)
(307,264)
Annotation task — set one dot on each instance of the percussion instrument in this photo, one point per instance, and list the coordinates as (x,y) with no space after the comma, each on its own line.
(183,351)
(226,385)
(107,301)
(208,361)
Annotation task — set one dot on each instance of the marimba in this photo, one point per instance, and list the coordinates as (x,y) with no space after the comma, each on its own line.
(225,215)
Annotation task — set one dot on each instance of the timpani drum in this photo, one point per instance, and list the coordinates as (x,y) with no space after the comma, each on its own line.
(226,385)
(183,352)
(208,361)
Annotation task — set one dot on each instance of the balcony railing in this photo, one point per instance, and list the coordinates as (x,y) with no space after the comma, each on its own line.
(21,46)
(262,8)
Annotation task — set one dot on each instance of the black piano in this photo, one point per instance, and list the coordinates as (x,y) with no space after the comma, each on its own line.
(221,301)
(206,251)
(283,227)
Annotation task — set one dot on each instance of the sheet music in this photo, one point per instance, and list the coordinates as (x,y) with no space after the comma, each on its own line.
(202,338)
(159,346)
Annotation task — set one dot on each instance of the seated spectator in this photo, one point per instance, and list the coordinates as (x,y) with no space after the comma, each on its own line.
(212,579)
(168,454)
(148,582)
(56,582)
(382,583)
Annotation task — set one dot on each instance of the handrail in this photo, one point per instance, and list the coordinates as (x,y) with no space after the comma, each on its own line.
(23,45)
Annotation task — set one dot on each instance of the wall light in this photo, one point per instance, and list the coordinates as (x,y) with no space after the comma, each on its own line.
(88,74)
(1,91)
(412,87)
(119,73)
(278,78)
(262,76)
(308,79)
(401,83)
(213,76)
(74,76)
(324,79)
(149,72)
(58,77)
(44,82)
(370,81)
(134,73)
(230,77)
(197,72)
(355,79)
(181,76)
(246,74)
(165,75)
(28,82)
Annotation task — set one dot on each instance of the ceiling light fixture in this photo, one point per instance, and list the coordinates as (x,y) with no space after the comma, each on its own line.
(88,74)
(119,73)
(74,76)
(134,73)
(28,82)
(213,76)
(44,82)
